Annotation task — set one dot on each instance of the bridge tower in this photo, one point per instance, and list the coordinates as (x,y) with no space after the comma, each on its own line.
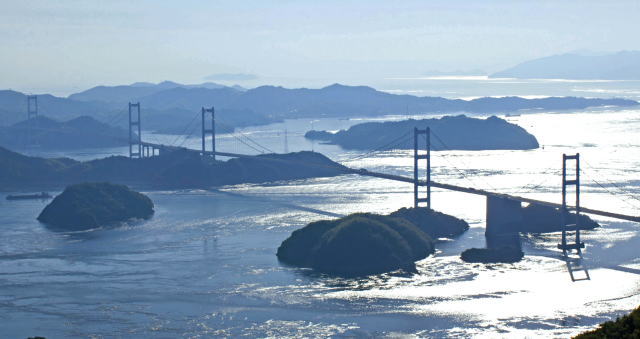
(571,227)
(32,106)
(32,112)
(135,139)
(418,155)
(286,141)
(209,131)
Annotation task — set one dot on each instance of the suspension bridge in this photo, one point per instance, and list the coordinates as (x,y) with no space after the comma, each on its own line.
(503,211)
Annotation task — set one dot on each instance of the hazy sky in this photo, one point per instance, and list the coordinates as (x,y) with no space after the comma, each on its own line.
(67,45)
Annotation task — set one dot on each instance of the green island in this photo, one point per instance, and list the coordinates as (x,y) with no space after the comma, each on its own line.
(90,205)
(364,243)
(449,133)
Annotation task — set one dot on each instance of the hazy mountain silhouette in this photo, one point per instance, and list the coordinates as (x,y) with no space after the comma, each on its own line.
(348,101)
(190,98)
(335,100)
(168,111)
(619,66)
(126,93)
(46,133)
(13,107)
(165,106)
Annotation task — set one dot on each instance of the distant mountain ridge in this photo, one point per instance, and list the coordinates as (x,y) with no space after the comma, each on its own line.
(170,106)
(13,107)
(125,93)
(335,100)
(351,101)
(618,66)
(46,133)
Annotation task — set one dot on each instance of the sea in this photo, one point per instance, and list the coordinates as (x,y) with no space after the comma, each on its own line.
(205,266)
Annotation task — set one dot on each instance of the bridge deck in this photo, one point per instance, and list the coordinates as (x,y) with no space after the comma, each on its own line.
(456,188)
(494,194)
(224,154)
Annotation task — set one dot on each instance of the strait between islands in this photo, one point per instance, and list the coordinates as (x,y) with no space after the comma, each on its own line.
(358,244)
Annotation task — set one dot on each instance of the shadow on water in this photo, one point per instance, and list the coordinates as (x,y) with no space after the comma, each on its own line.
(353,283)
(578,271)
(599,252)
(91,233)
(580,262)
(576,265)
(280,203)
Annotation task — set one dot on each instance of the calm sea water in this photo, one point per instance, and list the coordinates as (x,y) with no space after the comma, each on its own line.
(205,264)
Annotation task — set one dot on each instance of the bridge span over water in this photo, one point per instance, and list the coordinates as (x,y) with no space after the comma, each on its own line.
(503,210)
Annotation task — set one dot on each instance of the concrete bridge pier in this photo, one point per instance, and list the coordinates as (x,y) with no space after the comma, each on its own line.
(504,220)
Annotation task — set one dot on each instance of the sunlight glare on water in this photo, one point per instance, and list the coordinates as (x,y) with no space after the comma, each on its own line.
(205,264)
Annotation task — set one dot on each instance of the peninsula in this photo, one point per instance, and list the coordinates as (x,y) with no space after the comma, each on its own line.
(179,168)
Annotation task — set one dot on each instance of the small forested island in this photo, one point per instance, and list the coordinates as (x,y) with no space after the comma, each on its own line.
(46,133)
(625,327)
(89,205)
(503,254)
(364,243)
(545,219)
(434,223)
(448,133)
(175,168)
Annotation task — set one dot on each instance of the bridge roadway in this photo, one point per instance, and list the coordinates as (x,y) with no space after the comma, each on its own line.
(493,194)
(435,184)
(224,154)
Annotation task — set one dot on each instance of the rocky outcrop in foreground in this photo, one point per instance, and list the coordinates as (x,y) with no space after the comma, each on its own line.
(90,205)
(627,326)
(363,243)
